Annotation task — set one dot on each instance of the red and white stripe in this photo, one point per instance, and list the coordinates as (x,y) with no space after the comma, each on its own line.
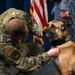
(39,12)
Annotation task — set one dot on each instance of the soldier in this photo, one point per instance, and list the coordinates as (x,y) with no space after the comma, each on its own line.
(19,56)
(14,13)
(67,7)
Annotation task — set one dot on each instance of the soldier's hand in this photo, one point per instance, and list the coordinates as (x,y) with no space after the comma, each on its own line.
(53,52)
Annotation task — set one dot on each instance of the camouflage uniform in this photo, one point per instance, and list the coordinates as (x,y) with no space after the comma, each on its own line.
(14,13)
(19,57)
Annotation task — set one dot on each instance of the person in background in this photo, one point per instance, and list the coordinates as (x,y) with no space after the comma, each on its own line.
(57,13)
(19,56)
(67,8)
(16,13)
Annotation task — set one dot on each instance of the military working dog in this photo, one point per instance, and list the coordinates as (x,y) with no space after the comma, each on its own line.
(58,33)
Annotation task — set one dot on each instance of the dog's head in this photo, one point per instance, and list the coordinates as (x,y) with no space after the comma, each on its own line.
(56,30)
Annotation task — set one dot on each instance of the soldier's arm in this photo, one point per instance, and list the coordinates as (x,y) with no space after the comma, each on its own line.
(36,29)
(23,63)
(33,63)
(32,26)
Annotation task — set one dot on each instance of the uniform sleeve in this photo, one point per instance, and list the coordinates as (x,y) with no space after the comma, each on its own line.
(35,29)
(33,63)
(65,4)
(20,62)
(32,26)
(5,13)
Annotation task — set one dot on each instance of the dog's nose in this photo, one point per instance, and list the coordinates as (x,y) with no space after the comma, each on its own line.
(48,34)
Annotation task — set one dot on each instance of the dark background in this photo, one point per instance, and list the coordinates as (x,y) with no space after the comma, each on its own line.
(25,6)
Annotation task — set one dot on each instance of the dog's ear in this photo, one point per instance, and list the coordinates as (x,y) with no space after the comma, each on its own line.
(68,24)
(53,26)
(64,26)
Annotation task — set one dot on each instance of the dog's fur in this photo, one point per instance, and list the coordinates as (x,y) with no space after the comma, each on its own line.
(65,61)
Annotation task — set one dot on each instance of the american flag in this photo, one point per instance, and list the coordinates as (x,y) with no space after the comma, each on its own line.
(38,10)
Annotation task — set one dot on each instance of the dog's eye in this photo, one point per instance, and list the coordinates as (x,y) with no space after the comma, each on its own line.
(62,27)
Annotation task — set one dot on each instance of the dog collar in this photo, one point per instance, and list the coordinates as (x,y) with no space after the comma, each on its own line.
(60,41)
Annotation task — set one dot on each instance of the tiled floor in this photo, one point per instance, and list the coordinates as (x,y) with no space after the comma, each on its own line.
(46,70)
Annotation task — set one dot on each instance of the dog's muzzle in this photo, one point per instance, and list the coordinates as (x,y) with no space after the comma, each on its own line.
(48,34)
